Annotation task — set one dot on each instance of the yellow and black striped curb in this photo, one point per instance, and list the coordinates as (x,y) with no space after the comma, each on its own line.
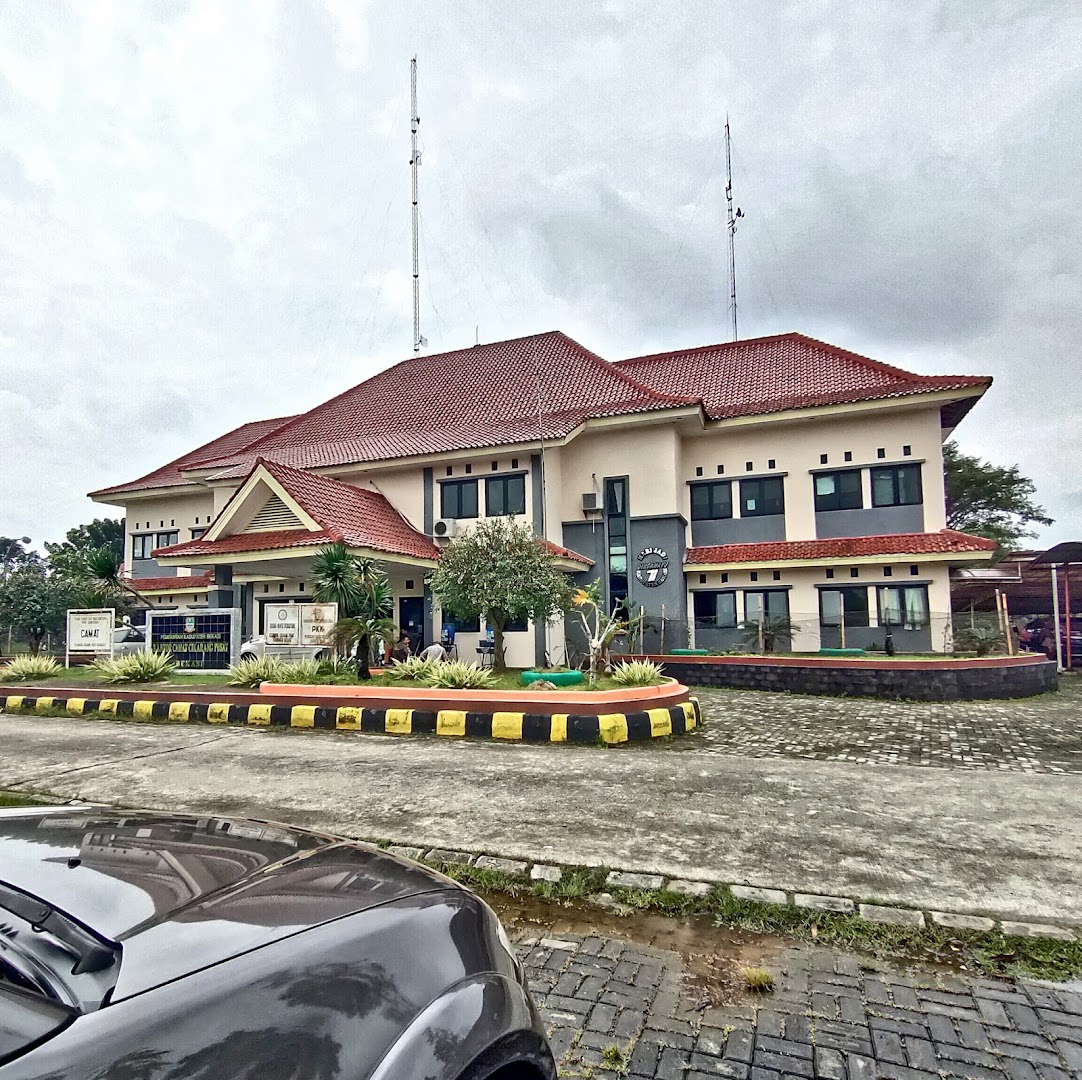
(526,727)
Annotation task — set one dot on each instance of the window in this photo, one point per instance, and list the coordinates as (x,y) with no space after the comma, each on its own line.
(698,470)
(516,626)
(881,452)
(848,455)
(196,533)
(505,495)
(773,603)
(907,450)
(142,546)
(888,571)
(771,463)
(822,459)
(721,469)
(458,499)
(851,602)
(838,491)
(903,605)
(896,486)
(712,501)
(754,575)
(854,571)
(777,575)
(715,610)
(463,626)
(761,497)
(616,520)
(166,539)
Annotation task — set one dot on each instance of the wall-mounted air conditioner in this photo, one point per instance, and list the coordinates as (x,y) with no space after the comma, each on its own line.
(591,502)
(445,528)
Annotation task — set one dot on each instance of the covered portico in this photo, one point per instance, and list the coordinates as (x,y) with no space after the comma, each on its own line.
(260,549)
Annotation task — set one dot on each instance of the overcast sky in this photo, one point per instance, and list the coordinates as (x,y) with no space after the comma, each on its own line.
(204,207)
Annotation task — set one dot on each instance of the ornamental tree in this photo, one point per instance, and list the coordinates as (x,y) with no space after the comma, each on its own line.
(34,603)
(500,571)
(988,500)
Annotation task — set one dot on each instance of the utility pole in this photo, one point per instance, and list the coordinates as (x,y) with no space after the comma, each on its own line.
(415,161)
(731,227)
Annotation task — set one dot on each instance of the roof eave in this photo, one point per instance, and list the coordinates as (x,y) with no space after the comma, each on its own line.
(949,557)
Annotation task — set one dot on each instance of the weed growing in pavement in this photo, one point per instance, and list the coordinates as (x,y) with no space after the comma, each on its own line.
(612,1057)
(757,978)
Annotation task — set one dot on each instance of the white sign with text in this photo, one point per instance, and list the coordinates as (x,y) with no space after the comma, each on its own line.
(90,630)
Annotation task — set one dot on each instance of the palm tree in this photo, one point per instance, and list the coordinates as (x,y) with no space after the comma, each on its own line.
(100,577)
(363,595)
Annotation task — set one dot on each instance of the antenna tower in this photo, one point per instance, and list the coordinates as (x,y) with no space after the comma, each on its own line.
(415,161)
(731,227)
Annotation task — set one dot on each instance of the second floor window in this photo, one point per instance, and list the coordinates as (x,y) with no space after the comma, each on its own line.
(505,495)
(761,497)
(142,546)
(711,501)
(197,533)
(458,499)
(898,485)
(838,491)
(166,539)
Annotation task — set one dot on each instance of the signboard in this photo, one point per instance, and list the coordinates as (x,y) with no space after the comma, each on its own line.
(294,625)
(90,630)
(199,640)
(652,567)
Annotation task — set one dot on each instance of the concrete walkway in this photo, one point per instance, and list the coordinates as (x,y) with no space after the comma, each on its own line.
(998,841)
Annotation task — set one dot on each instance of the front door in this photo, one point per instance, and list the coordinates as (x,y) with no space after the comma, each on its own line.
(411,618)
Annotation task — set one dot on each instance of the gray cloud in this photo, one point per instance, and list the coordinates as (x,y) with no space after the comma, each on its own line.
(204,212)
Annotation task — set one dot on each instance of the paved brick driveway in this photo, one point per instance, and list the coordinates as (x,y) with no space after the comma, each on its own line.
(1035,735)
(612,1004)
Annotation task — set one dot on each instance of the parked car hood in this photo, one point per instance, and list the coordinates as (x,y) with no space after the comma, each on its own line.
(182,892)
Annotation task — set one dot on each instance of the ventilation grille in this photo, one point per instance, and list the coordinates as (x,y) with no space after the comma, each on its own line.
(274,515)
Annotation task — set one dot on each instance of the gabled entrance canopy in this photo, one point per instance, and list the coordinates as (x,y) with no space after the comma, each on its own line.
(282,514)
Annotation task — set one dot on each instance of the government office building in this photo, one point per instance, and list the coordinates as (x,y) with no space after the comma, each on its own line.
(710,487)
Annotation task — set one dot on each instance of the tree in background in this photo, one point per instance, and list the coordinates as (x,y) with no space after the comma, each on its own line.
(500,571)
(68,557)
(16,552)
(988,500)
(34,603)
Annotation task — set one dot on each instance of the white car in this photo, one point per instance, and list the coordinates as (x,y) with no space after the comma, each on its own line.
(256,647)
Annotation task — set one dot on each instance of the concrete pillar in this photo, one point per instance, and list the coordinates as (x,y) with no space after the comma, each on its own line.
(220,594)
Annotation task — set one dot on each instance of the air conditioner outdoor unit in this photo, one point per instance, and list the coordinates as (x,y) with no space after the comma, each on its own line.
(591,501)
(445,528)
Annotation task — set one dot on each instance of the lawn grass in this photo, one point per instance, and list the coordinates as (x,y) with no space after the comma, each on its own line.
(990,954)
(15,798)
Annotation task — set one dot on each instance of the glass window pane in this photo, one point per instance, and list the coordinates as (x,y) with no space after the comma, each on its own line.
(825,485)
(722,502)
(753,606)
(916,608)
(614,497)
(618,526)
(909,492)
(727,609)
(882,487)
(890,607)
(705,608)
(516,494)
(617,564)
(855,602)
(777,604)
(700,502)
(468,499)
(494,497)
(830,607)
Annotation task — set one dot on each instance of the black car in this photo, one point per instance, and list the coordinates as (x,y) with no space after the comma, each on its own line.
(143,946)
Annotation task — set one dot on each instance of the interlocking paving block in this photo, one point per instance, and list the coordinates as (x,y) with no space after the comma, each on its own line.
(445,855)
(558,943)
(541,872)
(690,888)
(650,882)
(951,921)
(893,916)
(1025,929)
(406,852)
(759,896)
(504,866)
(824,903)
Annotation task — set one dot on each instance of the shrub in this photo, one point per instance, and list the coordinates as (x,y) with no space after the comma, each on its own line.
(252,671)
(137,667)
(757,978)
(29,667)
(412,669)
(637,673)
(458,675)
(333,666)
(305,672)
(983,640)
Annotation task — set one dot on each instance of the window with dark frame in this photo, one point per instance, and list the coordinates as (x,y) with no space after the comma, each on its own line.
(142,546)
(768,603)
(904,606)
(761,497)
(197,533)
(850,603)
(714,610)
(897,485)
(616,522)
(505,495)
(458,499)
(464,626)
(166,539)
(712,500)
(838,491)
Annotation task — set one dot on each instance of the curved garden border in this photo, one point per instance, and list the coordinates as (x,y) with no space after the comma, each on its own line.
(972,679)
(255,711)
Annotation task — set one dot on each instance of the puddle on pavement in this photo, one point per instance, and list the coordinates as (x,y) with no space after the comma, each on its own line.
(712,955)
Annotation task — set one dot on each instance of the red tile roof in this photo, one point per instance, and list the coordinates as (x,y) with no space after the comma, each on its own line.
(844,547)
(170,475)
(483,396)
(786,371)
(358,517)
(181,583)
(566,553)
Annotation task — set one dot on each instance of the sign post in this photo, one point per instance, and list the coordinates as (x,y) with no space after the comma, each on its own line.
(90,630)
(298,626)
(199,640)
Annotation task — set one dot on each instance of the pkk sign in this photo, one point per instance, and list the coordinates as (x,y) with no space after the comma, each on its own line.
(300,624)
(91,630)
